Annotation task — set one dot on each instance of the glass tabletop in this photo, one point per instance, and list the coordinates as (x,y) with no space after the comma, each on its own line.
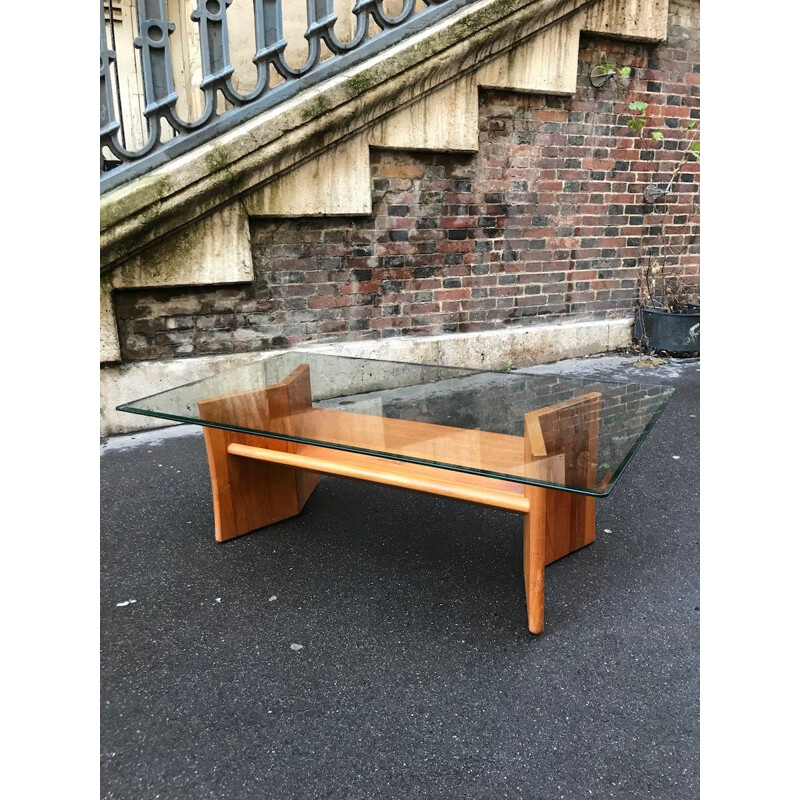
(503,425)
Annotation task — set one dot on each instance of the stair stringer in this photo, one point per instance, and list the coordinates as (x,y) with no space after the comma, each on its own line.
(215,250)
(637,20)
(446,119)
(337,182)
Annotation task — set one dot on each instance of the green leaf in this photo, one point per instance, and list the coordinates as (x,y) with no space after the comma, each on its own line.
(657,136)
(605,69)
(695,146)
(625,72)
(692,125)
(635,124)
(638,106)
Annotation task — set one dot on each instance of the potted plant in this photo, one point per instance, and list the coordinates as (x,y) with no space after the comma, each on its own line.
(667,315)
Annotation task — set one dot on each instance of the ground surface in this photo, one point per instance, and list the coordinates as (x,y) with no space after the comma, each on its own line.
(417,677)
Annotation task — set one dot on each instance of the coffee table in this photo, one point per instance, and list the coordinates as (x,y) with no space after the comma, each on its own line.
(544,446)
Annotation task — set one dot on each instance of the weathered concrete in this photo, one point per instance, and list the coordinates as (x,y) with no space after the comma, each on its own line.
(126,382)
(445,120)
(189,187)
(641,20)
(214,250)
(546,64)
(336,181)
(486,349)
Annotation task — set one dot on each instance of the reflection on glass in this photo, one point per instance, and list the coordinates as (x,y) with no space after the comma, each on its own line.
(504,425)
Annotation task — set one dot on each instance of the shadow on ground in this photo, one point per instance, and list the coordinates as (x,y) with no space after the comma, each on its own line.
(417,677)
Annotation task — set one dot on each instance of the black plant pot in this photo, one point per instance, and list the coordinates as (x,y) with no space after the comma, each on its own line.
(660,330)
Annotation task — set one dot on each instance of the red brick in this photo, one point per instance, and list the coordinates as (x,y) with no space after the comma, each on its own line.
(327,302)
(451,294)
(518,174)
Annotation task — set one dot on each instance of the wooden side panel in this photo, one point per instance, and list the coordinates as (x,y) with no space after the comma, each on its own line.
(251,494)
(570,429)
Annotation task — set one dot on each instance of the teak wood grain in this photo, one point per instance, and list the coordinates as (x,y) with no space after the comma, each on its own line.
(536,529)
(417,477)
(251,494)
(258,480)
(471,449)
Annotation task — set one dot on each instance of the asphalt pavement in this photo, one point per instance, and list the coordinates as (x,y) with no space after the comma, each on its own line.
(376,645)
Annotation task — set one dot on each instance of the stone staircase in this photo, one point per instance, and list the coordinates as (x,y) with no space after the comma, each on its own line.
(187,222)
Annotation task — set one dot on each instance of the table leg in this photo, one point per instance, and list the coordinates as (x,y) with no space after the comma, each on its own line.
(560,448)
(251,494)
(533,555)
(559,523)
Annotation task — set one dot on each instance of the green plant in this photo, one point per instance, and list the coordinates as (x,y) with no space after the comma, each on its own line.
(658,286)
(637,123)
(603,74)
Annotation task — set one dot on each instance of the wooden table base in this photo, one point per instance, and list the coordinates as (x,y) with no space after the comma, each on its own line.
(257,481)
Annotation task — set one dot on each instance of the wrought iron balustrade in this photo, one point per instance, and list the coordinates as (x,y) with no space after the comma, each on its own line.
(148,117)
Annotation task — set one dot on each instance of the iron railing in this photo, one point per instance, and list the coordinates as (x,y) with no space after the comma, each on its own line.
(163,133)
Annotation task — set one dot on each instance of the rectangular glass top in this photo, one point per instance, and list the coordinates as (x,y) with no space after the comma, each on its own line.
(538,429)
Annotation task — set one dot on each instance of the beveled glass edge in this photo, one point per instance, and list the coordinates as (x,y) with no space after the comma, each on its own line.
(428,463)
(617,474)
(667,396)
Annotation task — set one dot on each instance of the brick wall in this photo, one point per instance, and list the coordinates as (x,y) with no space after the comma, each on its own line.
(546,221)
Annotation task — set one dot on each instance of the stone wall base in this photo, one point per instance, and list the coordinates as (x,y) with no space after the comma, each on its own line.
(497,350)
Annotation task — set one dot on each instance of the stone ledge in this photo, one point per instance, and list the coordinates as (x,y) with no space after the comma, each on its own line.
(538,344)
(139,213)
